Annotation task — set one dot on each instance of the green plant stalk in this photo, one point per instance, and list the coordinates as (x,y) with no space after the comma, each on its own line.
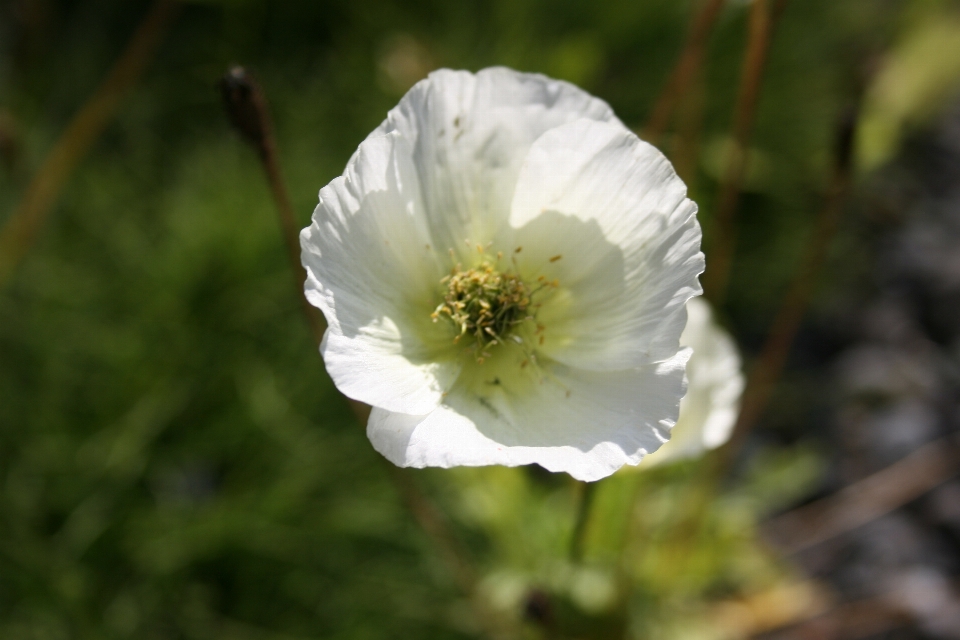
(588,491)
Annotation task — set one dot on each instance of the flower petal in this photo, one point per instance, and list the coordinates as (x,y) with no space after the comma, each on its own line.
(469,135)
(585,423)
(625,281)
(372,271)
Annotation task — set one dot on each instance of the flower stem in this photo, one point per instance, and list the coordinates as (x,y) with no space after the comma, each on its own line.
(587,493)
(22,227)
(684,71)
(762,21)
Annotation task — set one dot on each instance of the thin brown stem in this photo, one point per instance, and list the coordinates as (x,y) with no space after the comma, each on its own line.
(766,371)
(22,227)
(684,71)
(762,21)
(250,115)
(867,499)
(689,125)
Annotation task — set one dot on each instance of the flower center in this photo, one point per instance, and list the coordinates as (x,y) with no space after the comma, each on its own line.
(486,305)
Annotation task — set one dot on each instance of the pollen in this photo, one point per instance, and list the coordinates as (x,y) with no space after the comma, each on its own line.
(487,306)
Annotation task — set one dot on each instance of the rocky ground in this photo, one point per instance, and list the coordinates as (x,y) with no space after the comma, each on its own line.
(895,386)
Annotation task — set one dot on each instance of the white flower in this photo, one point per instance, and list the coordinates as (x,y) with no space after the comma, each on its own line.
(714,383)
(504,268)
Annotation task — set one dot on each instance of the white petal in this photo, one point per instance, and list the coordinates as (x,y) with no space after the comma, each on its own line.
(709,410)
(612,206)
(469,135)
(585,423)
(372,271)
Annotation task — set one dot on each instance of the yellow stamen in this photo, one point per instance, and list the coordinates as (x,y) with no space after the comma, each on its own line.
(488,305)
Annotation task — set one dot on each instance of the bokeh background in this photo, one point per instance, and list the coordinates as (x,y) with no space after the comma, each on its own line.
(175,463)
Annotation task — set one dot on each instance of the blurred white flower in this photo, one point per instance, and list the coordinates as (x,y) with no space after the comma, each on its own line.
(714,383)
(504,268)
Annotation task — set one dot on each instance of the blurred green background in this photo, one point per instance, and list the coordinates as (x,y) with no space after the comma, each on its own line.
(175,463)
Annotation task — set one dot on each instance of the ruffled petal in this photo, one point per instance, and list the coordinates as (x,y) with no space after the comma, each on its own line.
(373,273)
(469,134)
(584,423)
(604,214)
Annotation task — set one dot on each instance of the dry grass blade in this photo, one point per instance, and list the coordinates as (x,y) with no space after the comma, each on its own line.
(23,225)
(866,500)
(849,621)
(775,607)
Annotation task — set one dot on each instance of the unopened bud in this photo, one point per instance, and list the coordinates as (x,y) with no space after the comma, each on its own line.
(246,107)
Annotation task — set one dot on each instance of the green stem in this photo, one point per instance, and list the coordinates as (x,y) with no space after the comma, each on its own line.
(587,494)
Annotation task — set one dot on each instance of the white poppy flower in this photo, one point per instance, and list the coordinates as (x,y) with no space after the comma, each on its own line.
(504,268)
(714,383)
